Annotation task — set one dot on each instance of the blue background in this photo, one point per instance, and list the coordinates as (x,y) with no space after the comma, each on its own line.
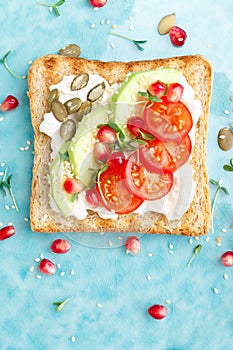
(104,274)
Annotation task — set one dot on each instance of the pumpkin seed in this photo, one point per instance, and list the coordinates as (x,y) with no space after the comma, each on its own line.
(79,82)
(68,129)
(96,92)
(83,110)
(53,96)
(73,105)
(59,111)
(71,50)
(166,23)
(225,139)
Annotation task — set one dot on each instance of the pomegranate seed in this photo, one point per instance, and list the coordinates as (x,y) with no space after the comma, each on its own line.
(106,134)
(135,125)
(60,246)
(227,258)
(47,267)
(157,89)
(175,92)
(7,232)
(132,245)
(158,311)
(177,36)
(92,197)
(116,158)
(9,103)
(72,185)
(101,151)
(98,3)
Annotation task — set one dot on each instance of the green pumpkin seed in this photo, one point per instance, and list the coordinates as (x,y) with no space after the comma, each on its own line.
(71,50)
(85,108)
(73,105)
(96,92)
(225,139)
(79,82)
(68,129)
(53,96)
(59,111)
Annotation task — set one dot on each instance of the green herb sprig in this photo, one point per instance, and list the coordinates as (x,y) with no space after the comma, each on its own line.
(137,43)
(219,186)
(150,97)
(10,70)
(196,250)
(229,167)
(60,304)
(54,6)
(5,184)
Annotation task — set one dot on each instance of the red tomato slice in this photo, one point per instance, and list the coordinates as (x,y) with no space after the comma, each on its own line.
(168,120)
(144,184)
(114,192)
(158,156)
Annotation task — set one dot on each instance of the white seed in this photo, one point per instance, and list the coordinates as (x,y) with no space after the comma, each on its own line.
(102,21)
(99,305)
(24,77)
(196,238)
(73,339)
(220,182)
(72,272)
(224,229)
(148,277)
(41,256)
(110,243)
(190,241)
(32,268)
(1,173)
(130,18)
(21,149)
(168,301)
(37,259)
(120,238)
(26,148)
(150,254)
(225,276)
(170,246)
(1,119)
(10,224)
(113,45)
(226,111)
(207,239)
(170,252)
(62,273)
(30,62)
(92,26)
(114,26)
(58,266)
(215,290)
(7,207)
(95,8)
(28,142)
(218,244)
(3,164)
(38,277)
(26,219)
(108,21)
(50,9)
(131,27)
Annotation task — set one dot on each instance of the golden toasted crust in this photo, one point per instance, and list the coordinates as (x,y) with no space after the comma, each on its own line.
(49,70)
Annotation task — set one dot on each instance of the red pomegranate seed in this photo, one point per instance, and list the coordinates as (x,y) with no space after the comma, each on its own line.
(227,258)
(101,151)
(132,245)
(116,158)
(7,232)
(60,246)
(106,134)
(158,311)
(47,267)
(177,35)
(9,103)
(175,92)
(98,3)
(92,197)
(157,89)
(72,185)
(135,125)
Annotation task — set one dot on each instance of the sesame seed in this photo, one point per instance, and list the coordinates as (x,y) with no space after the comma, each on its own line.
(131,27)
(207,239)
(170,252)
(30,62)
(62,273)
(7,207)
(50,9)
(3,164)
(113,45)
(170,246)
(32,268)
(120,238)
(92,26)
(28,142)
(130,18)
(1,119)
(95,9)
(150,254)
(215,290)
(220,182)
(224,229)
(196,238)
(41,256)
(225,276)
(102,21)
(38,277)
(190,241)
(218,244)
(114,26)
(101,233)
(26,219)
(148,277)
(21,149)
(37,259)
(73,339)
(99,305)
(58,266)
(72,272)
(222,137)
(108,21)
(24,77)
(110,243)
(26,148)
(168,301)
(226,111)
(1,173)
(1,224)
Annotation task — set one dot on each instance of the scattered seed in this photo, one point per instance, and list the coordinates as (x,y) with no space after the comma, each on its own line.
(92,26)
(7,207)
(73,339)
(225,276)
(215,290)
(120,238)
(3,164)
(196,238)
(108,21)
(170,252)
(226,111)
(72,272)
(130,18)
(102,21)
(38,277)
(1,119)
(218,239)
(62,273)
(30,62)
(207,239)
(95,8)
(41,256)
(148,277)
(10,224)
(131,27)
(114,26)
(21,149)
(113,45)
(50,9)
(224,229)
(150,254)
(32,268)
(190,241)
(26,219)
(219,244)
(170,246)
(168,301)
(37,259)
(58,266)
(110,243)
(99,305)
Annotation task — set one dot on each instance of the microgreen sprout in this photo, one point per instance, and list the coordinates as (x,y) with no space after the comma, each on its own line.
(229,167)
(137,43)
(60,304)
(54,6)
(6,65)
(5,184)
(219,186)
(196,250)
(150,97)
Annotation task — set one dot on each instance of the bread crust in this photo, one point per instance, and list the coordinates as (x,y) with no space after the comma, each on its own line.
(49,70)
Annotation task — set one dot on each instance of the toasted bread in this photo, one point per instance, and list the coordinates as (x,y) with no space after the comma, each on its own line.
(49,70)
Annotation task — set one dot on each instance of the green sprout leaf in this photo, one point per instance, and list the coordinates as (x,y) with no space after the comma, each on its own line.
(54,7)
(6,65)
(60,304)
(229,167)
(6,184)
(219,186)
(137,43)
(196,250)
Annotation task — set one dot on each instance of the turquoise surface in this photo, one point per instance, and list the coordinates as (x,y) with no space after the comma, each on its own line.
(110,291)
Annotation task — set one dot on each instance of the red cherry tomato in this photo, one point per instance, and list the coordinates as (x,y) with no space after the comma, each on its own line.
(157,89)
(177,35)
(106,134)
(175,92)
(168,120)
(145,184)
(92,197)
(114,192)
(135,125)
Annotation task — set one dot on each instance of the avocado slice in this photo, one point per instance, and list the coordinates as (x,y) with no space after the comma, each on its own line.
(127,95)
(63,200)
(81,148)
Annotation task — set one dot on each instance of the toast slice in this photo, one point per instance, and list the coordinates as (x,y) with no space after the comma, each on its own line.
(49,70)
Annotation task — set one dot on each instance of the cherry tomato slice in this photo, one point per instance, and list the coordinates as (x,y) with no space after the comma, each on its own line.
(114,192)
(144,184)
(168,120)
(158,156)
